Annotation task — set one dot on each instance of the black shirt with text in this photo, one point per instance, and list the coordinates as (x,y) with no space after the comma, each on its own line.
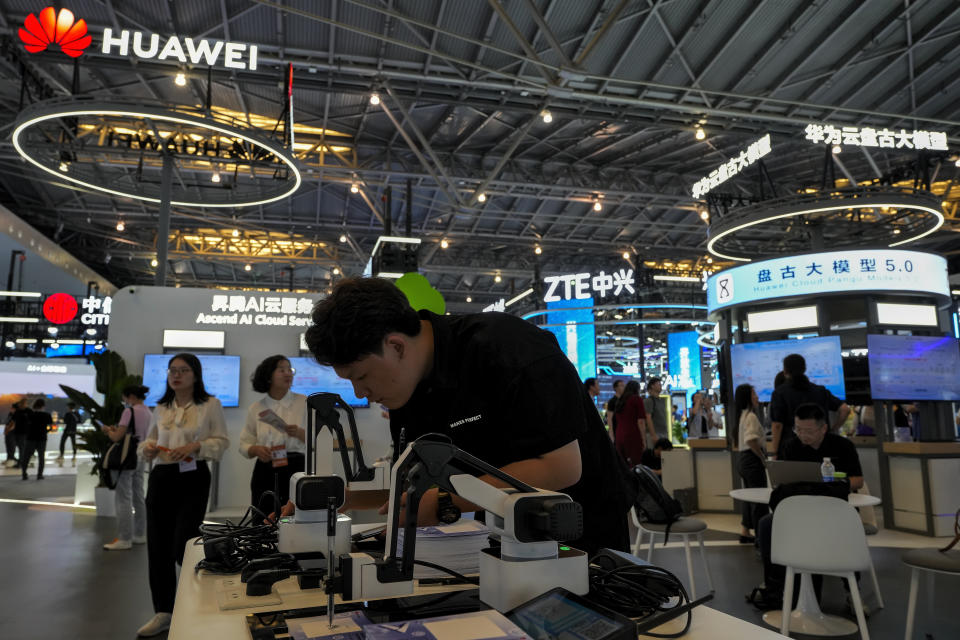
(502,390)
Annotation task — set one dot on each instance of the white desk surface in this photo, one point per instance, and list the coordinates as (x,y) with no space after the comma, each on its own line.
(761,495)
(197,614)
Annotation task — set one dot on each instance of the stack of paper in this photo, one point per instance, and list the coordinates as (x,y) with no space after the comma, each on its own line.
(454,546)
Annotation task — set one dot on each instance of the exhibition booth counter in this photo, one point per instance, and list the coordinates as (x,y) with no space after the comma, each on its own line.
(924,493)
(707,467)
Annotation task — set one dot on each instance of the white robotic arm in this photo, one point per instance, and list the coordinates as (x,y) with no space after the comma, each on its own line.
(528,521)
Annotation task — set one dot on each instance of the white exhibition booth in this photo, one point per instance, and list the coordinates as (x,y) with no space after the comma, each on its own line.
(254,325)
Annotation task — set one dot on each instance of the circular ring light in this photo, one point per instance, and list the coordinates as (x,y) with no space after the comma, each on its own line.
(774,232)
(66,161)
(605,307)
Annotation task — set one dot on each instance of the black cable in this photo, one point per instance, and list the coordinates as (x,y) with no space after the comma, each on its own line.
(437,567)
(639,592)
(229,547)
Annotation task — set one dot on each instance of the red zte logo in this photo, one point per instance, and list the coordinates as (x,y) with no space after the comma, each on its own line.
(59,28)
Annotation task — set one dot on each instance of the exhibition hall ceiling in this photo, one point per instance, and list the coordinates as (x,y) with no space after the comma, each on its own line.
(564,125)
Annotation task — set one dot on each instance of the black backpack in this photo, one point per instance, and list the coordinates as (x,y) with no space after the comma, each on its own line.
(653,503)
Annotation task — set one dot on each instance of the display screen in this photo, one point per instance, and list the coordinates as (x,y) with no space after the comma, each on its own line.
(576,333)
(914,367)
(758,363)
(556,615)
(312,378)
(221,377)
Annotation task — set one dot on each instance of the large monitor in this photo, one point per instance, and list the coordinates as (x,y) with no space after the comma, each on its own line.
(758,363)
(312,377)
(914,367)
(221,377)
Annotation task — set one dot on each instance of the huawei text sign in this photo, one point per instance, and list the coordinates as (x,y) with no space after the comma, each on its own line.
(149,46)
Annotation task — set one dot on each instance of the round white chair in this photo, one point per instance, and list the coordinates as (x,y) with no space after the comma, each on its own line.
(684,527)
(933,562)
(819,534)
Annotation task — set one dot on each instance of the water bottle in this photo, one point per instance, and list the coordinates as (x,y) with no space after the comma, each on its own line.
(826,470)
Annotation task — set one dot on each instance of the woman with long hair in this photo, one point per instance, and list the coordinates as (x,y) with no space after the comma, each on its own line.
(279,449)
(753,459)
(188,430)
(128,493)
(631,418)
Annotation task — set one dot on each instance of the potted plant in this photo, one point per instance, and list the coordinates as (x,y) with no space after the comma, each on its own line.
(112,378)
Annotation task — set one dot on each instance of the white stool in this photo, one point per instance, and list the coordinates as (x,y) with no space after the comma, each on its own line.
(933,562)
(684,527)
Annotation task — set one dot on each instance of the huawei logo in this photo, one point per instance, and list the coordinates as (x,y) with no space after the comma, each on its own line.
(55,28)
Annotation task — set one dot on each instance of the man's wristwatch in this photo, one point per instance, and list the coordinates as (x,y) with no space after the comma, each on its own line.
(447,511)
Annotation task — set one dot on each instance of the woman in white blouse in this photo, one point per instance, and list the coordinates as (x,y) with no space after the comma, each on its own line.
(188,429)
(278,445)
(753,458)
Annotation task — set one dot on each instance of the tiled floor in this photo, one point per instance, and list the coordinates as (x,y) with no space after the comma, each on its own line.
(59,583)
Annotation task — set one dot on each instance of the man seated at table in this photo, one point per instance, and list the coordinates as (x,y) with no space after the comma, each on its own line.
(812,444)
(652,458)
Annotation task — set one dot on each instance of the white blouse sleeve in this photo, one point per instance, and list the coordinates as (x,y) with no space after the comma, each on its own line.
(754,431)
(248,437)
(215,429)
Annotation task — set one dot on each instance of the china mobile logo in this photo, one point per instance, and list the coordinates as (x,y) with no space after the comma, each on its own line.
(54,27)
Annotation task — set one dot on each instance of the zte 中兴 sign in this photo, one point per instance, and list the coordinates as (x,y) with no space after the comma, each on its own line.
(61,29)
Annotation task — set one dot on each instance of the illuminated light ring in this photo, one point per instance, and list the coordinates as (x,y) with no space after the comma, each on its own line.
(147,113)
(938,214)
(605,307)
(608,323)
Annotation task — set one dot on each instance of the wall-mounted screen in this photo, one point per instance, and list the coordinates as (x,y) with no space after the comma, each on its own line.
(221,377)
(571,321)
(907,315)
(758,363)
(782,319)
(914,367)
(312,377)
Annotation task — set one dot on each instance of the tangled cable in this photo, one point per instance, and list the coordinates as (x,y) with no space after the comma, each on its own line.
(638,592)
(228,547)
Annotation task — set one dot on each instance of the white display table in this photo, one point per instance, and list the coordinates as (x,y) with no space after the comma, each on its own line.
(198,615)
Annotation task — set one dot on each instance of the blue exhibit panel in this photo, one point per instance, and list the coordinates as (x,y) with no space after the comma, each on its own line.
(758,363)
(314,378)
(221,377)
(576,333)
(683,360)
(914,367)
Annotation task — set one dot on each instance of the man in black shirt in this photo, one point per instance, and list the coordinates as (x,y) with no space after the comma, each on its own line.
(500,388)
(798,390)
(652,458)
(812,444)
(70,421)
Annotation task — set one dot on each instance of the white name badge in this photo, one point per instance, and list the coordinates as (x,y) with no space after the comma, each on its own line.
(279,454)
(188,465)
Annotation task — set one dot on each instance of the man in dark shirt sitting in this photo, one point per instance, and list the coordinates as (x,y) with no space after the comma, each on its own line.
(812,444)
(652,459)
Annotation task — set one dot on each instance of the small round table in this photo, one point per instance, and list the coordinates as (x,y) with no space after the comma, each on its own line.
(807,617)
(762,496)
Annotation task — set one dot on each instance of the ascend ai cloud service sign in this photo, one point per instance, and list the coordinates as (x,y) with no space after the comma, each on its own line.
(52,29)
